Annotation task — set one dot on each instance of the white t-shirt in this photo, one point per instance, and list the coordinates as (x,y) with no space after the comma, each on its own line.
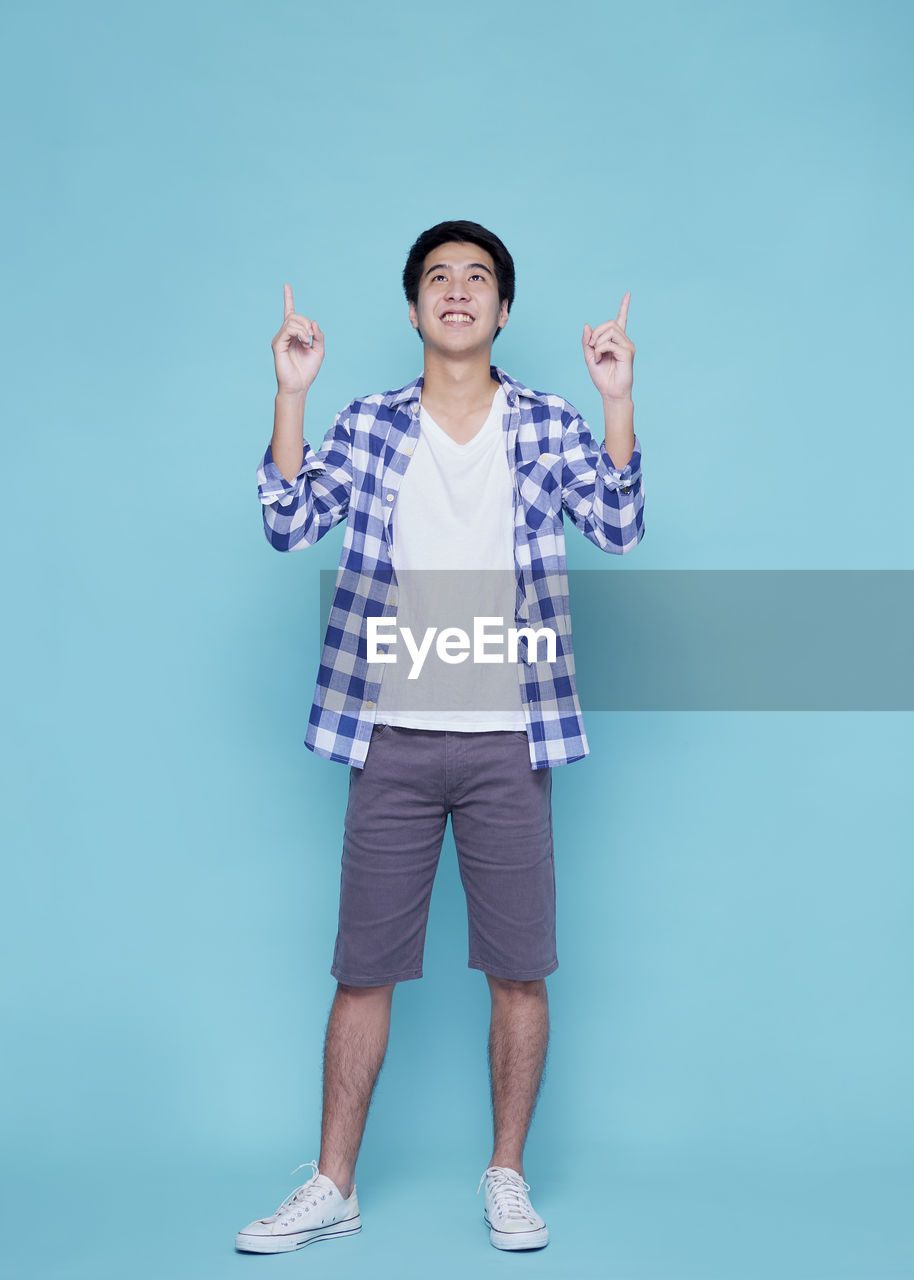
(453,554)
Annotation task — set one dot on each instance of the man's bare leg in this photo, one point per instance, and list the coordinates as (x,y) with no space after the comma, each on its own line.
(354,1049)
(518,1039)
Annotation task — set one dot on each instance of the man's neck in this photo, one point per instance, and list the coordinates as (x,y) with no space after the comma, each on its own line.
(458,385)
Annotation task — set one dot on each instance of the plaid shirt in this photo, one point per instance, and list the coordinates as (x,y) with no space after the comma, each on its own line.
(557,467)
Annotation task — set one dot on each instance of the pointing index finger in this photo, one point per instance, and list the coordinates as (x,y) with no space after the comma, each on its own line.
(288,306)
(623,310)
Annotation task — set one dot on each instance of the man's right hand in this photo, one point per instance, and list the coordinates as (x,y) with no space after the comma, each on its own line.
(296,361)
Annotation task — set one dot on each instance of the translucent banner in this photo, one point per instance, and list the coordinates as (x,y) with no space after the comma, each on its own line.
(643,639)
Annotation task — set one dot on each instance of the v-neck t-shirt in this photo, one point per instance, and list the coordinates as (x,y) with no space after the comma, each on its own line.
(453,554)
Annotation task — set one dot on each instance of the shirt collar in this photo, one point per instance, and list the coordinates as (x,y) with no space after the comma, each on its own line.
(511,386)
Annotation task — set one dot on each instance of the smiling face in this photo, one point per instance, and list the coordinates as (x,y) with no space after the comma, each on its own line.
(458,308)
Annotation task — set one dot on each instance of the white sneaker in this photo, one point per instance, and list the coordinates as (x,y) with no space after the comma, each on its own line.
(512,1220)
(314,1211)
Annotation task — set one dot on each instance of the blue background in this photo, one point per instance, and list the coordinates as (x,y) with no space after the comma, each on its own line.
(728,1087)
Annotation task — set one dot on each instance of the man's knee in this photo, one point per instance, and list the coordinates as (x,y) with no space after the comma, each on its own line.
(383,992)
(514,987)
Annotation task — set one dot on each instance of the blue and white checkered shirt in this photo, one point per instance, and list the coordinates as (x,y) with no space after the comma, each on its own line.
(557,467)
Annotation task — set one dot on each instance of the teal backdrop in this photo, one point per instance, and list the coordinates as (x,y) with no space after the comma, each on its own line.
(728,1089)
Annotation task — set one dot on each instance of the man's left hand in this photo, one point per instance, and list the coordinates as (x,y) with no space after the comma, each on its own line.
(610,355)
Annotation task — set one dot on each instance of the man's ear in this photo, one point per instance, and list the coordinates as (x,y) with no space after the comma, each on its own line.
(413,315)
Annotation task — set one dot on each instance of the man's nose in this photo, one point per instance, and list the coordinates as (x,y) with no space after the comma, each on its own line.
(457,290)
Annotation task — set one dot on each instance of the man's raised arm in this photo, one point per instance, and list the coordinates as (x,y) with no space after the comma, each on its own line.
(303,494)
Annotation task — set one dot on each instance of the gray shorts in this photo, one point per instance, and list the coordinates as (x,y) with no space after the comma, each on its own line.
(501,817)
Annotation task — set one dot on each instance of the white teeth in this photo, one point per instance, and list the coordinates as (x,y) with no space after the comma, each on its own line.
(457,319)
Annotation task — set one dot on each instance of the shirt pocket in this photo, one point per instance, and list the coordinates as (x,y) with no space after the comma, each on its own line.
(539,482)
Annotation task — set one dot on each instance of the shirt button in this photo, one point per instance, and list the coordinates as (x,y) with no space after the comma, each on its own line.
(626,488)
(390,497)
(369,704)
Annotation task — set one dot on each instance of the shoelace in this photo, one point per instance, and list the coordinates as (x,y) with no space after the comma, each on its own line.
(303,1192)
(509,1191)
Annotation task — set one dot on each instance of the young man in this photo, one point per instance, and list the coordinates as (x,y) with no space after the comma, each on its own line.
(465,469)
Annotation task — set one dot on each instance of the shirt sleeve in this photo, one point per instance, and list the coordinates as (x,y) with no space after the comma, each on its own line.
(604,501)
(297,514)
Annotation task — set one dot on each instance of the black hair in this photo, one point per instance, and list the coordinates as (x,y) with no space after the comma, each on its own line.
(461,232)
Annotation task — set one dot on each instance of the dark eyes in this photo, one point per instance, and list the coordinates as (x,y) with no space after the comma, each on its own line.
(476,276)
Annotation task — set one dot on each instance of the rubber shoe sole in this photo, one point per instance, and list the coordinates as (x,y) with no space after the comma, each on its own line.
(517,1239)
(294,1240)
